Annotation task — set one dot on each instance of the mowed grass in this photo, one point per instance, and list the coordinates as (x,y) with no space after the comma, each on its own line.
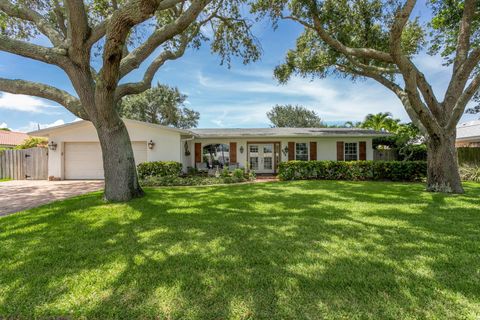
(286,250)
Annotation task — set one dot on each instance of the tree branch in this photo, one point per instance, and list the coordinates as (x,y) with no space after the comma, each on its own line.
(464,98)
(396,89)
(99,31)
(464,63)
(44,91)
(32,51)
(414,79)
(78,29)
(136,57)
(463,40)
(37,19)
(138,87)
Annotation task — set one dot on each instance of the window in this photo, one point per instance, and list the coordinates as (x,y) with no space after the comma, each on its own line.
(254,163)
(216,155)
(267,163)
(253,149)
(301,151)
(351,153)
(267,148)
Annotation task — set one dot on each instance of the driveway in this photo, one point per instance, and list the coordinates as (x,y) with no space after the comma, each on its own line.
(18,195)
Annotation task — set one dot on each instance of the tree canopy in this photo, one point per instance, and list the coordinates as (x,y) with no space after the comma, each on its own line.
(294,117)
(162,105)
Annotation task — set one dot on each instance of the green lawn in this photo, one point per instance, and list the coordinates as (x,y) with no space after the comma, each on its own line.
(288,250)
(6,179)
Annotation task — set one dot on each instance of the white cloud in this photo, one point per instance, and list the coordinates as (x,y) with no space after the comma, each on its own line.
(32,126)
(3,125)
(19,102)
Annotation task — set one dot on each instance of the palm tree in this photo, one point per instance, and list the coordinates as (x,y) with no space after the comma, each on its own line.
(382,121)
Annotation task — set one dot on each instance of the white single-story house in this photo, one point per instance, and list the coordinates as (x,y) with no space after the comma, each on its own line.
(468,134)
(75,151)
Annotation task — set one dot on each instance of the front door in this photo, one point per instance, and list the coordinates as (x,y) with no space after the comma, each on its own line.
(261,158)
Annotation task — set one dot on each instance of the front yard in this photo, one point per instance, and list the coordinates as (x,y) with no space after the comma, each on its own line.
(291,250)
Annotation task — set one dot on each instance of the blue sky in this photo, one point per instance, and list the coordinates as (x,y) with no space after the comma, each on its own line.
(235,97)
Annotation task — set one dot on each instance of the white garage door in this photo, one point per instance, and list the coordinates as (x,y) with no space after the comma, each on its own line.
(83,160)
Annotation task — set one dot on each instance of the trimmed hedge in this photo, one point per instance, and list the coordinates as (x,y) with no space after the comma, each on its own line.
(159,169)
(353,170)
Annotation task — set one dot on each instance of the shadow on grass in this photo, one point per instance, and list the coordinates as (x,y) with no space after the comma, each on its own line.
(276,250)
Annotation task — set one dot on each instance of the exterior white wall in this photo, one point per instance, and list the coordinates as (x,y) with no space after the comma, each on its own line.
(326,147)
(167,143)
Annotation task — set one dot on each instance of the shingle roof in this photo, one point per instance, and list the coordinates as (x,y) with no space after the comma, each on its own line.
(468,130)
(10,138)
(286,132)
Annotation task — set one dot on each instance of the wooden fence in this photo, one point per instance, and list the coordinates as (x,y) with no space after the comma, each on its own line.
(469,155)
(31,164)
(384,155)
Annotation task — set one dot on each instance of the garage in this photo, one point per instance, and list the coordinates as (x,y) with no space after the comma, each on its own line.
(83,160)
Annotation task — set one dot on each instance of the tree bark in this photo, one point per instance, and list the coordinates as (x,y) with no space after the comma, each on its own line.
(442,167)
(121,182)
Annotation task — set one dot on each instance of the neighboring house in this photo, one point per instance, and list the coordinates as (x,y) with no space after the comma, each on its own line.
(11,139)
(468,134)
(78,155)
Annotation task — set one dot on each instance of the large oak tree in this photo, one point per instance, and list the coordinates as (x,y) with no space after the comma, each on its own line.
(124,33)
(378,40)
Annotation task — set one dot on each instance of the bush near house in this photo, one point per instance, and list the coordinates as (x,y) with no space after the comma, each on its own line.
(159,169)
(353,170)
(169,173)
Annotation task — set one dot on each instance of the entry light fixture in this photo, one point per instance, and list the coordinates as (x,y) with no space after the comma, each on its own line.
(285,151)
(241,149)
(52,145)
(151,144)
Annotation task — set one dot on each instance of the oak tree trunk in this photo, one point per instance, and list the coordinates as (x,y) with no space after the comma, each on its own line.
(442,167)
(121,183)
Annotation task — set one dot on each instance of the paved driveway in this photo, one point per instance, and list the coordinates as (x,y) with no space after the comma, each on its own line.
(18,195)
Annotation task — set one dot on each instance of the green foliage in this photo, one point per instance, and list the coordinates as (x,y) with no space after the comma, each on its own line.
(159,169)
(192,180)
(470,172)
(353,170)
(33,142)
(294,117)
(169,174)
(162,105)
(238,174)
(445,27)
(382,121)
(413,152)
(5,129)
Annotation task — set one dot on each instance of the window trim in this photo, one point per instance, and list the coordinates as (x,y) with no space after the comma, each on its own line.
(345,151)
(308,151)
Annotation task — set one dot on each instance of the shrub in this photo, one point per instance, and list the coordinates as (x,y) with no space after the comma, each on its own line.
(413,152)
(469,172)
(238,174)
(353,170)
(32,142)
(159,169)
